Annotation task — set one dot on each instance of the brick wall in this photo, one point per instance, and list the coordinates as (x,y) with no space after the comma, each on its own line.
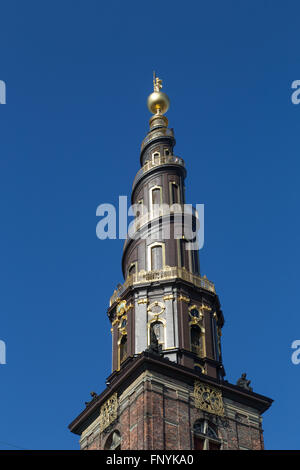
(156,412)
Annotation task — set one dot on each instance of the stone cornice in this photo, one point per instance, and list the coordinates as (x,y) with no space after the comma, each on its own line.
(134,366)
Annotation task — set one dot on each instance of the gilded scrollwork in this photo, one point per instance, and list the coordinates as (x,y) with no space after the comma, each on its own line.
(108,412)
(208,398)
(156,308)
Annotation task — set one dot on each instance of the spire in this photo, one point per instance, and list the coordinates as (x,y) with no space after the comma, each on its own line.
(158,104)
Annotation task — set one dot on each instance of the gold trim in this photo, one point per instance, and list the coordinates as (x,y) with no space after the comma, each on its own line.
(156,304)
(168,297)
(203,370)
(168,272)
(208,398)
(184,299)
(108,412)
(143,301)
(205,307)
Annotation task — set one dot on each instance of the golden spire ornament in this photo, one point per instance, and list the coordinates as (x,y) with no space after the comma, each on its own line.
(158,102)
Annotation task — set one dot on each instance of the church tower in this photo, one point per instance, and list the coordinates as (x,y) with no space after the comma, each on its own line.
(167,388)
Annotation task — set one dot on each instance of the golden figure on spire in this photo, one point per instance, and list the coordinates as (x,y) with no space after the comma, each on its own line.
(157,83)
(158,102)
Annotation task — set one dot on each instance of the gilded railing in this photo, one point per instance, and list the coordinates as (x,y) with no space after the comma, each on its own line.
(157,161)
(163,274)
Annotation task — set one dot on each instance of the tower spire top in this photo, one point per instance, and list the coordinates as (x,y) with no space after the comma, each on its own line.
(157,83)
(158,102)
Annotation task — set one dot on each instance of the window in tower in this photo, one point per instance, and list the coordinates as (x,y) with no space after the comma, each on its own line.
(167,152)
(139,208)
(195,261)
(156,196)
(182,253)
(174,193)
(123,348)
(156,158)
(205,436)
(132,269)
(156,257)
(113,442)
(156,331)
(155,200)
(197,340)
(216,336)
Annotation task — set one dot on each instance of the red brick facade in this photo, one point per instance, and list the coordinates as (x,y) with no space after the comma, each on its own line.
(158,413)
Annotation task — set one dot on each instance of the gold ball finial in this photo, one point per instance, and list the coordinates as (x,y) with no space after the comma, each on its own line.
(158,102)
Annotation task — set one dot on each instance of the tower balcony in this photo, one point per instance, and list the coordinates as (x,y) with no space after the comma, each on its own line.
(156,133)
(167,273)
(155,162)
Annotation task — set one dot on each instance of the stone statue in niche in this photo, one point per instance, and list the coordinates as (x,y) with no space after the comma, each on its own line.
(155,336)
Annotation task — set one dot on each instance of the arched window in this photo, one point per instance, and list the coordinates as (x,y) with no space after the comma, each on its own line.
(197,341)
(123,348)
(174,193)
(156,257)
(113,442)
(205,436)
(156,196)
(157,331)
(155,158)
(182,253)
(132,269)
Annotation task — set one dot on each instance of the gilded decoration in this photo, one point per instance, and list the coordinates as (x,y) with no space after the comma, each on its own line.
(123,325)
(196,315)
(205,307)
(184,299)
(163,274)
(156,308)
(208,398)
(121,310)
(108,412)
(168,297)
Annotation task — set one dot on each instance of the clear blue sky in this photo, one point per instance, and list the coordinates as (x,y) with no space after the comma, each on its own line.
(78,74)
